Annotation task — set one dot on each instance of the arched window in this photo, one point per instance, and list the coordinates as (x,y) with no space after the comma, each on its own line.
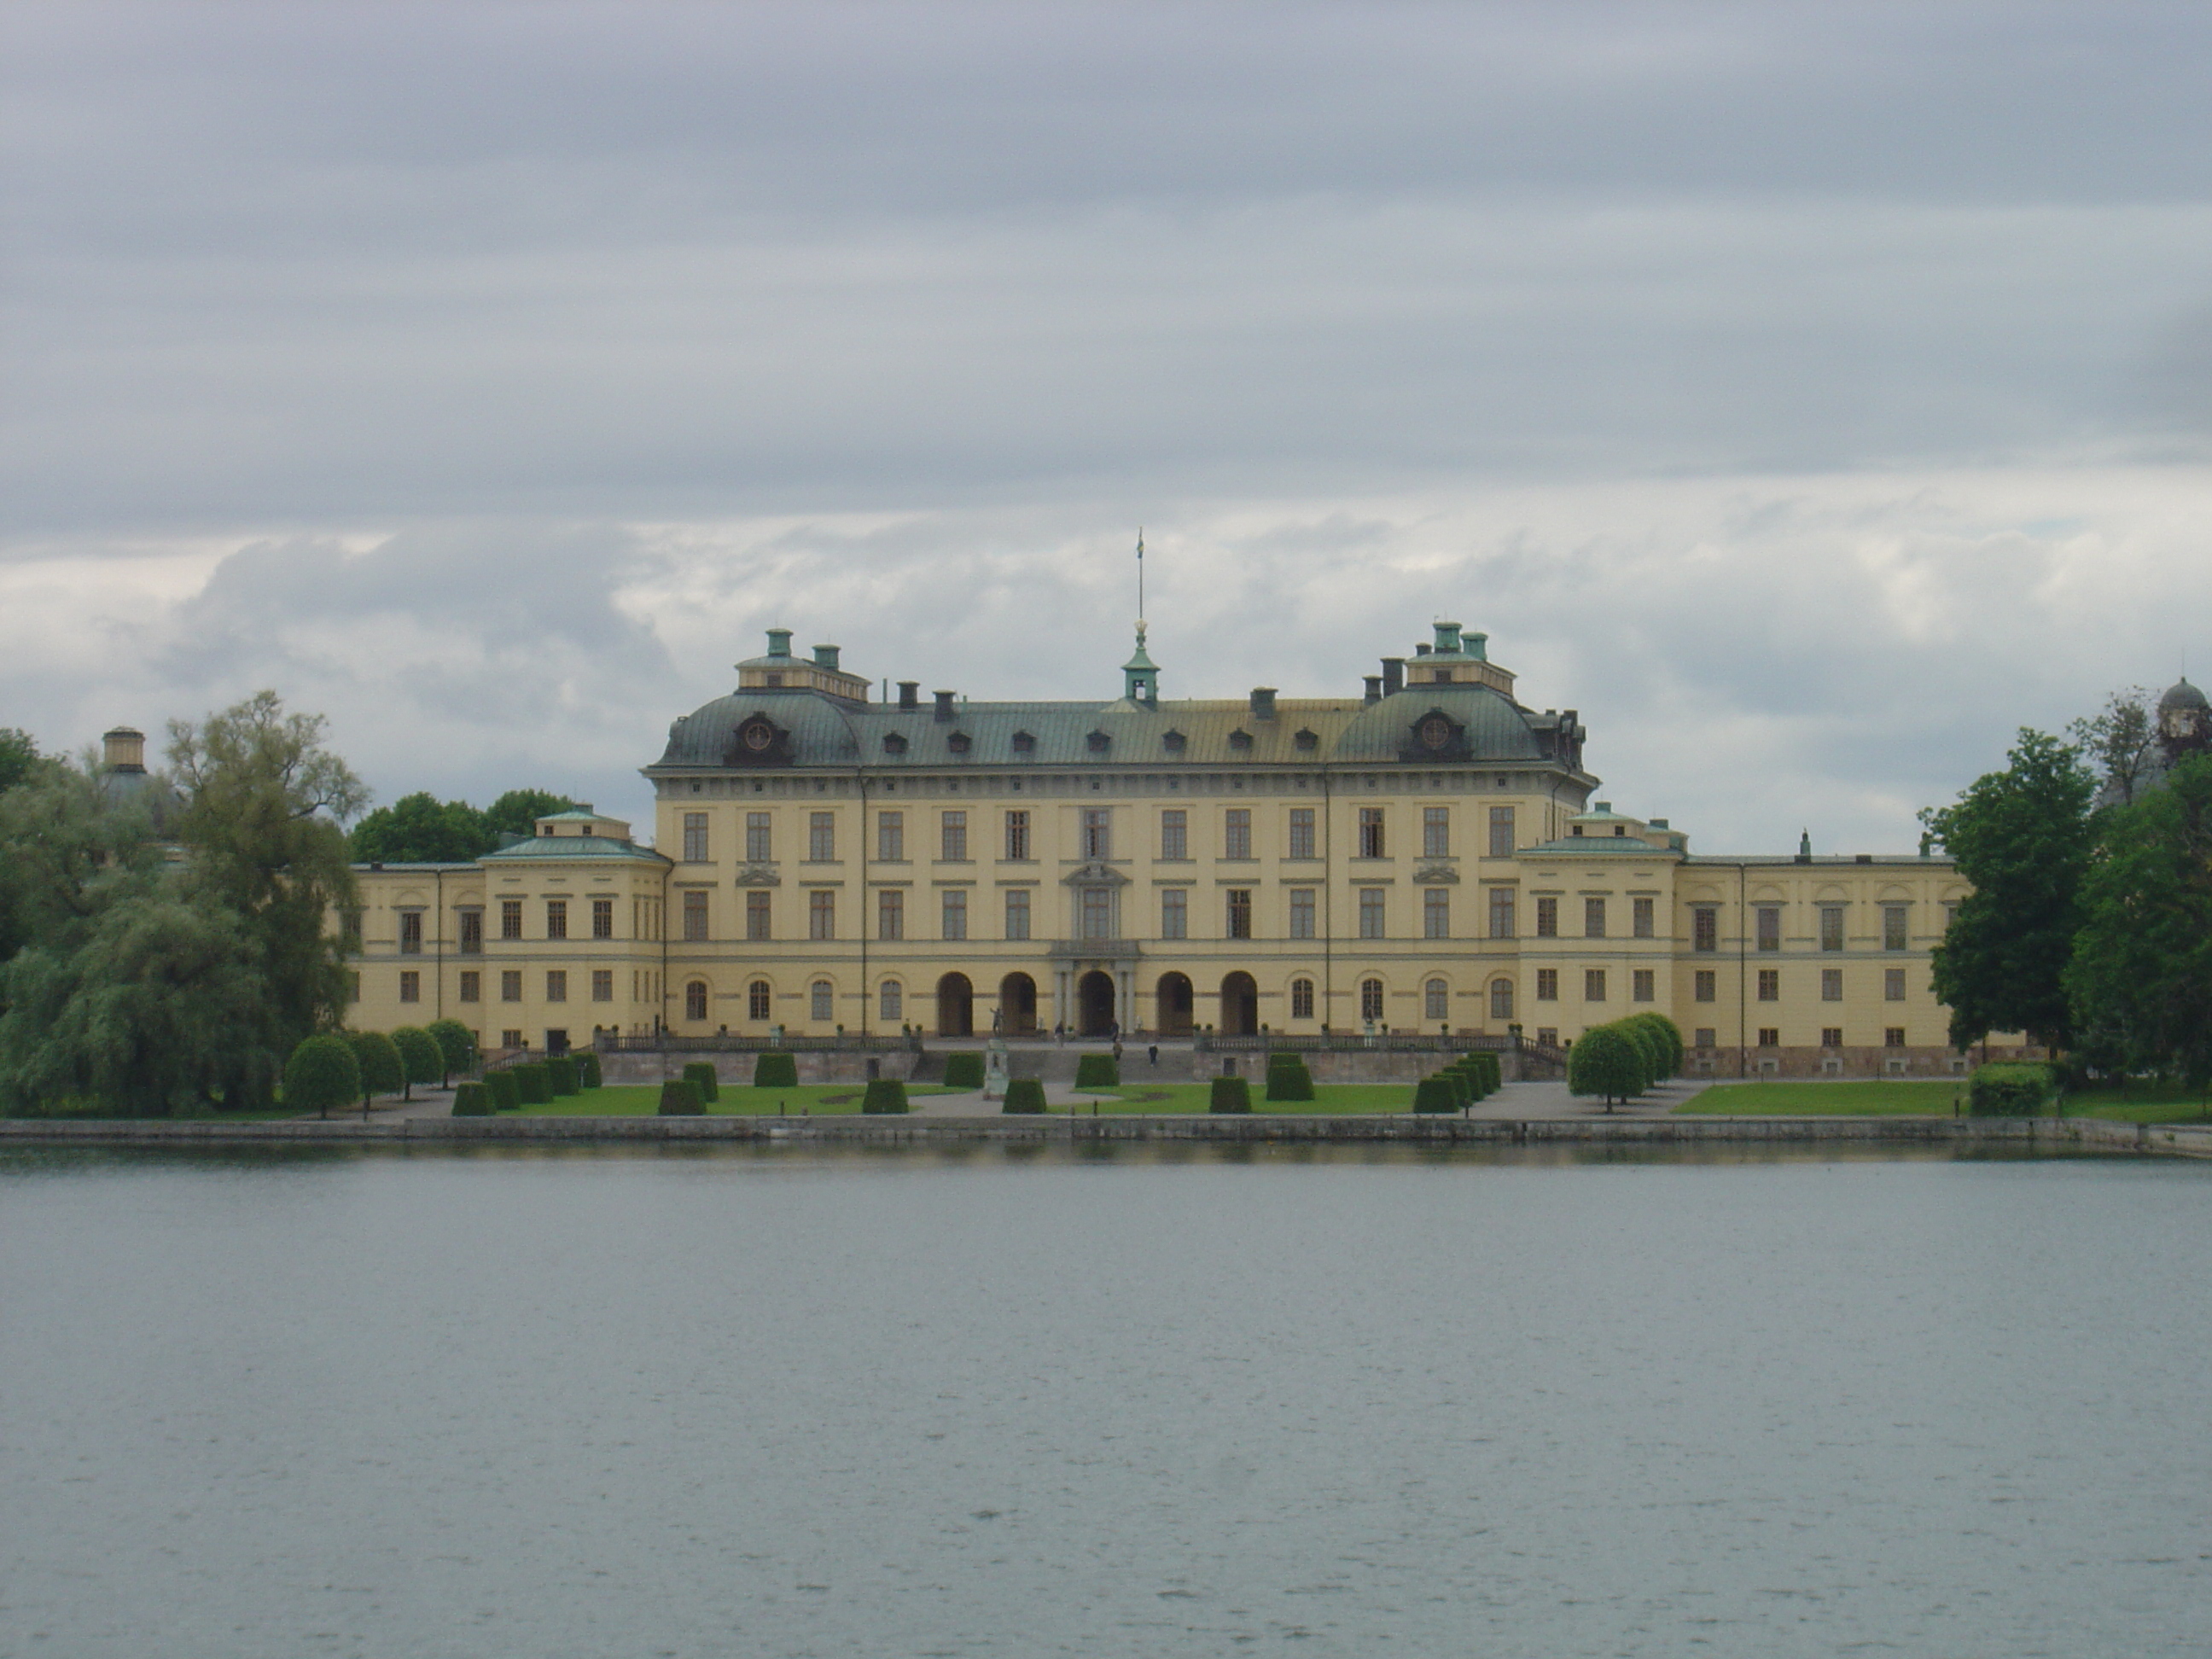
(1302,999)
(758,1003)
(891,1001)
(821,1002)
(1501,999)
(695,1000)
(1370,999)
(1435,1000)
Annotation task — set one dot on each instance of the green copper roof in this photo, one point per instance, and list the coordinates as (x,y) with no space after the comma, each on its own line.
(573,847)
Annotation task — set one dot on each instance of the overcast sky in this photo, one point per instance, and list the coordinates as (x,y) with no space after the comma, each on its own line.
(1808,394)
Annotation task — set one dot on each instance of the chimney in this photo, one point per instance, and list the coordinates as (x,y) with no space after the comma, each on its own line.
(1422,649)
(1447,639)
(944,706)
(1373,689)
(779,642)
(1394,676)
(1263,702)
(825,656)
(124,750)
(1476,645)
(909,695)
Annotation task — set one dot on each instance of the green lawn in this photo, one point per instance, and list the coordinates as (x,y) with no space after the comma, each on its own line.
(1867,1099)
(735,1100)
(2142,1103)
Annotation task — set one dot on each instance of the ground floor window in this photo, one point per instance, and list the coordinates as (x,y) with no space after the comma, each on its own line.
(1593,984)
(1643,985)
(1707,985)
(510,985)
(1705,1037)
(556,985)
(1548,985)
(1769,985)
(757,999)
(1435,1000)
(822,1001)
(695,1000)
(1892,1037)
(510,1039)
(471,985)
(1301,1000)
(1501,999)
(1893,985)
(1370,999)
(1832,985)
(410,985)
(891,1001)
(603,985)
(1770,1037)
(1831,1036)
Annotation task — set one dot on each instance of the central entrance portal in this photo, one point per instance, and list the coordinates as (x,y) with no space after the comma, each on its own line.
(1094,995)
(1174,998)
(1240,1006)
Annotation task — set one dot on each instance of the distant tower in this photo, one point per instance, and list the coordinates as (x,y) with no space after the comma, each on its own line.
(1141,679)
(2184,722)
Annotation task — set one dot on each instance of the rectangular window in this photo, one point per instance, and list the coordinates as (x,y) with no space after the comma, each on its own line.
(1644,919)
(471,985)
(1175,834)
(510,985)
(1501,999)
(471,932)
(695,838)
(1893,927)
(1705,927)
(1770,1037)
(1643,985)
(1769,985)
(1832,927)
(1370,999)
(890,838)
(1096,912)
(890,913)
(1371,832)
(695,915)
(1435,1000)
(1302,913)
(1501,832)
(556,918)
(1548,1036)
(1301,1000)
(821,915)
(822,1003)
(603,985)
(756,840)
(510,918)
(1548,985)
(1893,985)
(953,837)
(410,933)
(1237,833)
(1370,912)
(556,985)
(757,999)
(1704,1037)
(1832,985)
(954,911)
(1302,832)
(1593,984)
(410,984)
(756,928)
(1770,926)
(603,918)
(891,1001)
(1831,1036)
(1097,833)
(1017,913)
(1240,913)
(511,1039)
(1436,913)
(1436,832)
(349,931)
(1706,985)
(1018,836)
(1593,918)
(822,837)
(1892,1037)
(1175,913)
(1501,913)
(1547,918)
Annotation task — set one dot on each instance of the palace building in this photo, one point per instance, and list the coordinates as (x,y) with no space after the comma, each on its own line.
(1425,856)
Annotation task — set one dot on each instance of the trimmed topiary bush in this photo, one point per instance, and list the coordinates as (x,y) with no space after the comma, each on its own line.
(2011,1088)
(1024,1094)
(1288,1078)
(679,1098)
(588,1069)
(1434,1094)
(560,1077)
(1097,1072)
(419,1059)
(1669,1039)
(456,1046)
(382,1071)
(531,1083)
(322,1073)
(506,1092)
(886,1096)
(963,1070)
(773,1070)
(1607,1062)
(472,1100)
(699,1074)
(1230,1094)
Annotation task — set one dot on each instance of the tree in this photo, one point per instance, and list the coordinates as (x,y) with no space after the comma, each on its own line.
(1606,1061)
(420,1060)
(321,1073)
(516,812)
(263,803)
(2118,741)
(419,829)
(18,754)
(456,1047)
(382,1070)
(2022,837)
(2141,977)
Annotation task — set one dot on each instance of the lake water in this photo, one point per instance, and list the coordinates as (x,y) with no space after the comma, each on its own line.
(1319,1402)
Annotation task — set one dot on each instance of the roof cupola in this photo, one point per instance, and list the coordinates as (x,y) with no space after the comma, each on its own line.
(1141,677)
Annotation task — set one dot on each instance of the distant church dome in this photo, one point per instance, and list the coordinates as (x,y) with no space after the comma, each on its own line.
(2182,695)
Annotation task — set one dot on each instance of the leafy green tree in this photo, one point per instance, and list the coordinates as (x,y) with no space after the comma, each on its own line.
(263,803)
(456,1046)
(382,1070)
(2141,977)
(2022,836)
(516,811)
(2118,740)
(322,1073)
(419,829)
(1607,1062)
(18,754)
(419,1059)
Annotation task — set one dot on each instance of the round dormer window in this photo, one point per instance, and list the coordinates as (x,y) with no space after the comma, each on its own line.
(1436,731)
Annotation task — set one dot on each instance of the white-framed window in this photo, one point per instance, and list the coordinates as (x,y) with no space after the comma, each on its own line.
(1832,985)
(1436,913)
(1097,832)
(953,837)
(822,837)
(1436,832)
(955,912)
(1370,999)
(1017,913)
(1175,835)
(695,838)
(820,1002)
(756,837)
(1593,984)
(1240,912)
(695,1000)
(1237,833)
(1643,985)
(891,1001)
(1501,999)
(1643,917)
(1302,913)
(1435,1000)
(1175,913)
(1302,999)
(1370,912)
(1017,839)
(890,837)
(890,913)
(1302,832)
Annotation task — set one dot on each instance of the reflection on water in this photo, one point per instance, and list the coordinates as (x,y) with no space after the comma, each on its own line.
(1155,1398)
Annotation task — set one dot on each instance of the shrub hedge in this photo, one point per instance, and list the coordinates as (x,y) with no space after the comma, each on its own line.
(1435,1093)
(699,1074)
(1024,1094)
(560,1077)
(963,1070)
(2011,1088)
(456,1045)
(1230,1094)
(772,1070)
(472,1100)
(886,1096)
(532,1082)
(506,1092)
(679,1098)
(587,1068)
(1611,1061)
(1096,1072)
(1288,1078)
(322,1073)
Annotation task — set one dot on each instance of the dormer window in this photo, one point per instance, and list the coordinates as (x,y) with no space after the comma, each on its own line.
(1174,741)
(1240,739)
(1024,744)
(959,743)
(894,744)
(1307,740)
(1575,830)
(772,679)
(1098,743)
(1443,676)
(1619,828)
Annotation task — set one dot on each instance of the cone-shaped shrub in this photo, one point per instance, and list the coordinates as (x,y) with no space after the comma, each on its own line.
(531,1083)
(560,1077)
(963,1070)
(506,1092)
(587,1068)
(1288,1078)
(1096,1072)
(699,1074)
(679,1098)
(774,1070)
(1434,1094)
(886,1096)
(457,1046)
(472,1100)
(382,1071)
(323,1073)
(1607,1062)
(1024,1094)
(1230,1094)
